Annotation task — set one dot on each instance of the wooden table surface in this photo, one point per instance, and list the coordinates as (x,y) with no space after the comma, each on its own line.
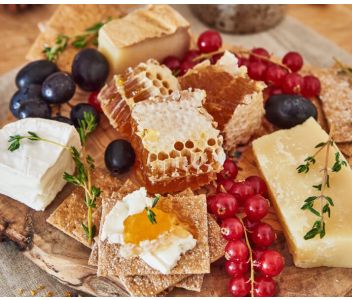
(18,31)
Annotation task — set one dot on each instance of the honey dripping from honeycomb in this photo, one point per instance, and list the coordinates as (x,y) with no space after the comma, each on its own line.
(138,228)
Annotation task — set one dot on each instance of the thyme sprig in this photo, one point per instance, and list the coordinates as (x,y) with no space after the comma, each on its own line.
(84,166)
(326,202)
(79,41)
(53,52)
(150,213)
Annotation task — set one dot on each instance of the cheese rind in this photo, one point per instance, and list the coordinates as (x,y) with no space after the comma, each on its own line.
(33,174)
(155,32)
(278,155)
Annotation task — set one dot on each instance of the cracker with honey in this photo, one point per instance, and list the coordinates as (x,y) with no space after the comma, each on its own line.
(191,210)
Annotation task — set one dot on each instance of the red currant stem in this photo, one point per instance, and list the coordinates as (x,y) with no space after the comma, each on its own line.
(263,58)
(207,55)
(251,278)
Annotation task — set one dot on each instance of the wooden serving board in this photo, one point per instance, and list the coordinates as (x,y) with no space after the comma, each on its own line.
(66,259)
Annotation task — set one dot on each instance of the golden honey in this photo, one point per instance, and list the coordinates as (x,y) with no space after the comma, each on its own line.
(138,228)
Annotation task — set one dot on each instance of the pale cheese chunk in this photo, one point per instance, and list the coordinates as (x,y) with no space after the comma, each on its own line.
(33,174)
(153,32)
(278,155)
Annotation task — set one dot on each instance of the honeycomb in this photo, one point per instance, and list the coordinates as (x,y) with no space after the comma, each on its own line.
(149,79)
(233,99)
(176,142)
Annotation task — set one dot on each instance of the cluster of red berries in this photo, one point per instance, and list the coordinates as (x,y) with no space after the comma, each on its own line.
(281,78)
(248,238)
(209,41)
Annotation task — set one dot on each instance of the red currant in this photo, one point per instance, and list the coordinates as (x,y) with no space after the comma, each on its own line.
(242,61)
(263,235)
(210,202)
(257,54)
(230,170)
(224,185)
(236,268)
(185,66)
(274,75)
(93,101)
(293,60)
(311,86)
(209,41)
(243,190)
(272,90)
(264,287)
(249,224)
(214,59)
(271,263)
(256,207)
(292,83)
(258,185)
(232,229)
(191,55)
(239,286)
(256,70)
(236,251)
(172,62)
(224,205)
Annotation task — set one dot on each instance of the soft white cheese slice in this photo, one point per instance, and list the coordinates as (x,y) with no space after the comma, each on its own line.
(278,155)
(162,253)
(33,174)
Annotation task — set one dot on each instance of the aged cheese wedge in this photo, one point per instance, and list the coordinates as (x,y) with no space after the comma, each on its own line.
(33,174)
(278,156)
(153,32)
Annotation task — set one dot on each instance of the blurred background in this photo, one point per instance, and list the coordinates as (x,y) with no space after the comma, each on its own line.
(19,23)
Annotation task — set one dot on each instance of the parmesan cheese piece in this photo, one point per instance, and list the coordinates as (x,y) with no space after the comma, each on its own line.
(155,32)
(278,155)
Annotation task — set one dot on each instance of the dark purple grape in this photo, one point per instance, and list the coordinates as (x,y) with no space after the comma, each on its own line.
(119,157)
(62,119)
(35,73)
(58,88)
(29,93)
(90,69)
(287,111)
(34,109)
(77,113)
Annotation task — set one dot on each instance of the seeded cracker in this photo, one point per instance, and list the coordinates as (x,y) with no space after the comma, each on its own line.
(191,210)
(155,284)
(336,97)
(70,20)
(72,212)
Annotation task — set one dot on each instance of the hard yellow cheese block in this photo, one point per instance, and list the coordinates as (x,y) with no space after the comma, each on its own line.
(155,32)
(278,155)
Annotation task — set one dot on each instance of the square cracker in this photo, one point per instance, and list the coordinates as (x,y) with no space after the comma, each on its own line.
(336,98)
(191,209)
(71,20)
(155,284)
(72,212)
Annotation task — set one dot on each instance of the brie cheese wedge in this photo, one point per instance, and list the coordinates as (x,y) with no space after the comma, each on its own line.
(159,245)
(33,174)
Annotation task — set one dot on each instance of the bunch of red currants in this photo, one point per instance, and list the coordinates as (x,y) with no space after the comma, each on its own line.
(209,41)
(281,78)
(249,262)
